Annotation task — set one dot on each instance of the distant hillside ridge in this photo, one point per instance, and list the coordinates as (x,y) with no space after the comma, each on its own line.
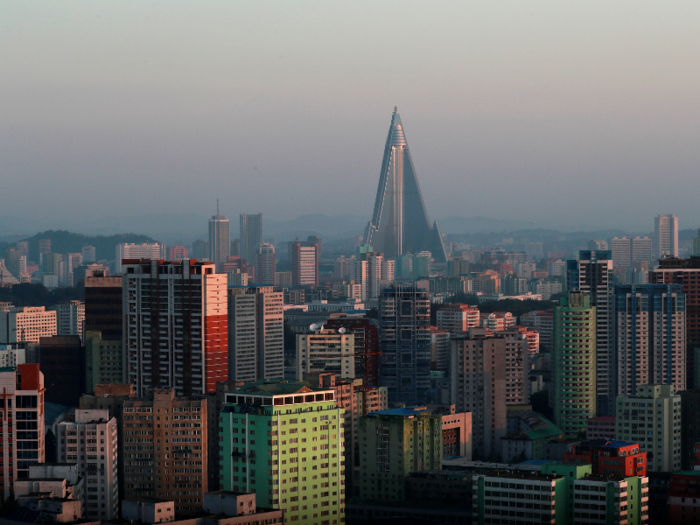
(68,242)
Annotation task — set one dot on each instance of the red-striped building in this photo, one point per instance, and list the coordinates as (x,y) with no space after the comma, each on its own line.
(175,325)
(21,410)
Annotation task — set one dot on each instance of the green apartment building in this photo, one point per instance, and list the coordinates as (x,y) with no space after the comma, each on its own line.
(559,495)
(394,443)
(103,361)
(284,441)
(574,354)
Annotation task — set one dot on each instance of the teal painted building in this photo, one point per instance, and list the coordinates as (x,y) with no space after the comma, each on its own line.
(284,441)
(574,355)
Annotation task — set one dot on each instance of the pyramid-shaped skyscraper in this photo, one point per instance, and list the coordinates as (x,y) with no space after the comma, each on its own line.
(400,224)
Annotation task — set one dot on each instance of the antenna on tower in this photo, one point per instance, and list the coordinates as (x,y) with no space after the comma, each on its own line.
(394,109)
(217,206)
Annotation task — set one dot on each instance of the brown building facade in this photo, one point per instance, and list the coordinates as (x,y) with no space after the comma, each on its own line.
(103,305)
(165,448)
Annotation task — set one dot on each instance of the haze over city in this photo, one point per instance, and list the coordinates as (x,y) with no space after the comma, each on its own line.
(571,116)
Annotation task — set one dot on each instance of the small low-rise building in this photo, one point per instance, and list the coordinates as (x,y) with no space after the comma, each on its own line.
(609,457)
(148,510)
(528,432)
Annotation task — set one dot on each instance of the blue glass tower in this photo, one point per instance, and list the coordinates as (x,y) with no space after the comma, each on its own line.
(650,348)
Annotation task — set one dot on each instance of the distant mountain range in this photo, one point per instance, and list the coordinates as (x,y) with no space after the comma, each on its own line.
(180,228)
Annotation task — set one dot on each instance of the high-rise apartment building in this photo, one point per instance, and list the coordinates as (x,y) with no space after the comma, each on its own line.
(284,441)
(620,248)
(175,325)
(695,249)
(326,350)
(104,362)
(283,279)
(366,336)
(627,251)
(111,397)
(251,235)
(574,355)
(256,333)
(70,318)
(650,334)
(404,343)
(652,418)
(44,248)
(517,353)
(342,269)
(103,331)
(62,359)
(154,252)
(458,318)
(641,250)
(51,263)
(597,244)
(368,270)
(165,448)
(592,275)
(22,424)
(177,252)
(478,385)
(666,235)
(103,305)
(394,443)
(304,264)
(200,249)
(89,439)
(400,223)
(23,248)
(265,263)
(89,254)
(543,322)
(26,324)
(685,272)
(219,240)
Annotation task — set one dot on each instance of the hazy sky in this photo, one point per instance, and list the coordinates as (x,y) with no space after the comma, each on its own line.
(552,112)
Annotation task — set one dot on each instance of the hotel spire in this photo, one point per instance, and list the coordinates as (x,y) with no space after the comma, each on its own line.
(400,223)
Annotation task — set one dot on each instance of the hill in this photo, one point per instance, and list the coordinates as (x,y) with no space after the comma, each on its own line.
(67,242)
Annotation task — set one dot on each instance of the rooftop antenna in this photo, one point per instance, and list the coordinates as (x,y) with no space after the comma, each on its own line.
(217,206)
(394,109)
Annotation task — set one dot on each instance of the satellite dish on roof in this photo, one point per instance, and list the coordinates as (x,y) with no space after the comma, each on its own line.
(342,330)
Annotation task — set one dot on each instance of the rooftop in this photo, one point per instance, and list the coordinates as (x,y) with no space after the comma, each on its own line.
(610,443)
(519,474)
(602,477)
(404,412)
(695,473)
(279,387)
